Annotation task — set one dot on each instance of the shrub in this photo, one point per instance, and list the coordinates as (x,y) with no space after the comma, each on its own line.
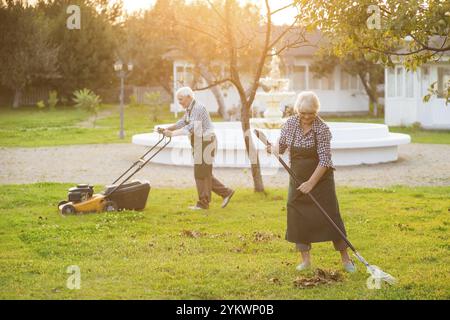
(153,99)
(40,104)
(133,101)
(87,100)
(52,99)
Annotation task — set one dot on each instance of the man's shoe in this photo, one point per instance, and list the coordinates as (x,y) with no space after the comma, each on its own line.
(196,207)
(227,199)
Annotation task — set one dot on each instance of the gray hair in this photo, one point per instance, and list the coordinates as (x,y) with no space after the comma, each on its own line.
(184,92)
(307,101)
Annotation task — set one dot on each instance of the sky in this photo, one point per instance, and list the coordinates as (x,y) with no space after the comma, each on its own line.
(283,17)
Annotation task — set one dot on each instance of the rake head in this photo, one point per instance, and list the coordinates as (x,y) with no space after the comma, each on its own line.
(379,275)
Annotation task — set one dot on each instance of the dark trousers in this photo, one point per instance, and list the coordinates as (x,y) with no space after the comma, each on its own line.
(204,188)
(204,178)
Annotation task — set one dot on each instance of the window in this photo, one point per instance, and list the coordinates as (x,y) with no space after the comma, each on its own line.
(409,82)
(313,80)
(328,82)
(443,81)
(348,82)
(425,81)
(189,76)
(399,81)
(299,81)
(324,83)
(391,82)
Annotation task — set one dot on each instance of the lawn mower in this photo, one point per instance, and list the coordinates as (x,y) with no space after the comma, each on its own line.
(118,196)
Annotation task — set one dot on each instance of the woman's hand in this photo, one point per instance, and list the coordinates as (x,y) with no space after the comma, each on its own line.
(306,187)
(167,133)
(272,149)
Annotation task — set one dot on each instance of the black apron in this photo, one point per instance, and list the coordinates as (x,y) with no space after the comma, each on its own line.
(203,152)
(305,222)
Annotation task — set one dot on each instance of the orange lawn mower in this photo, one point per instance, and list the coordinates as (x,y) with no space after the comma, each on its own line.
(118,196)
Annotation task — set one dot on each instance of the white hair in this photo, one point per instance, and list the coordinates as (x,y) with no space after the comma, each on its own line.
(185,92)
(307,101)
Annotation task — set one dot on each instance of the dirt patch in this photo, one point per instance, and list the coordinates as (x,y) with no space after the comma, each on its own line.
(191,234)
(420,165)
(264,236)
(320,277)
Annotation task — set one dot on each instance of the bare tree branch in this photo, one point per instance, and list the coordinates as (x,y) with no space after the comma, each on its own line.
(292,4)
(213,84)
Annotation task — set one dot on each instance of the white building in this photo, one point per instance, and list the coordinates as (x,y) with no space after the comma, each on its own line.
(339,92)
(405,91)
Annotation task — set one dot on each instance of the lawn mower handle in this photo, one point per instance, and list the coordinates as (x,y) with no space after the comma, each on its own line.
(142,157)
(261,136)
(142,163)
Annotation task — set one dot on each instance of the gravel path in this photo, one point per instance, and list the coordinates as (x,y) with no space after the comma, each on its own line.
(418,165)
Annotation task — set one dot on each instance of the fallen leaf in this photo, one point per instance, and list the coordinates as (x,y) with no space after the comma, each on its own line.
(320,277)
(191,233)
(275,280)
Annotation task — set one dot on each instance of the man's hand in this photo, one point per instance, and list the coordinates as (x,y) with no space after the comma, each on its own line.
(160,130)
(306,187)
(167,133)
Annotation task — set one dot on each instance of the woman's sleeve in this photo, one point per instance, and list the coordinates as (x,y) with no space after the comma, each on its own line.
(324,148)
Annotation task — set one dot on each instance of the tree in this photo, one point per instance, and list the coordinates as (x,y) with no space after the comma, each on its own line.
(145,44)
(27,54)
(85,56)
(244,42)
(369,73)
(413,32)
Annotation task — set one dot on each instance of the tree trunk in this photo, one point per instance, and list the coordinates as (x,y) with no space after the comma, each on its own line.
(220,102)
(17,97)
(372,93)
(252,152)
(215,91)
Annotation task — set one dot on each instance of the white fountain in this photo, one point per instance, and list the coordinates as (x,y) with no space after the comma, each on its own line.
(277,92)
(352,143)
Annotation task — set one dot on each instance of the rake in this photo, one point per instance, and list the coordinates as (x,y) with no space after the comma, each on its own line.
(376,273)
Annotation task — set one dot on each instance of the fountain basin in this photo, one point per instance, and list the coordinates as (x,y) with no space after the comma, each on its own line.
(352,144)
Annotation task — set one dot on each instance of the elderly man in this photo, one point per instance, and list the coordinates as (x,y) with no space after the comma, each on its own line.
(197,124)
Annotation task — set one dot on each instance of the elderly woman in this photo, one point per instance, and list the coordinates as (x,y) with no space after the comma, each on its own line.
(308,138)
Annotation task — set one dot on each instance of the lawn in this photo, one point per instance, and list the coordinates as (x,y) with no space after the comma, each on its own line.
(168,252)
(28,127)
(67,125)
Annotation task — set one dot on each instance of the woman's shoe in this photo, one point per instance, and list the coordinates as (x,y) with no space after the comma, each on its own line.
(350,267)
(303,266)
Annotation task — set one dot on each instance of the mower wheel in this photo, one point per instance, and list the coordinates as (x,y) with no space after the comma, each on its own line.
(62,202)
(68,209)
(110,206)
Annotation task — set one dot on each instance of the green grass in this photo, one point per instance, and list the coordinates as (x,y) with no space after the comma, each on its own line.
(147,255)
(31,128)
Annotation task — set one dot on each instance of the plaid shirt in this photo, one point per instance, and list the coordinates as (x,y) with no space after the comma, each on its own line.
(196,120)
(323,135)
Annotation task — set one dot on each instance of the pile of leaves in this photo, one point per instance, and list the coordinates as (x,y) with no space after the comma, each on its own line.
(191,233)
(320,277)
(264,236)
